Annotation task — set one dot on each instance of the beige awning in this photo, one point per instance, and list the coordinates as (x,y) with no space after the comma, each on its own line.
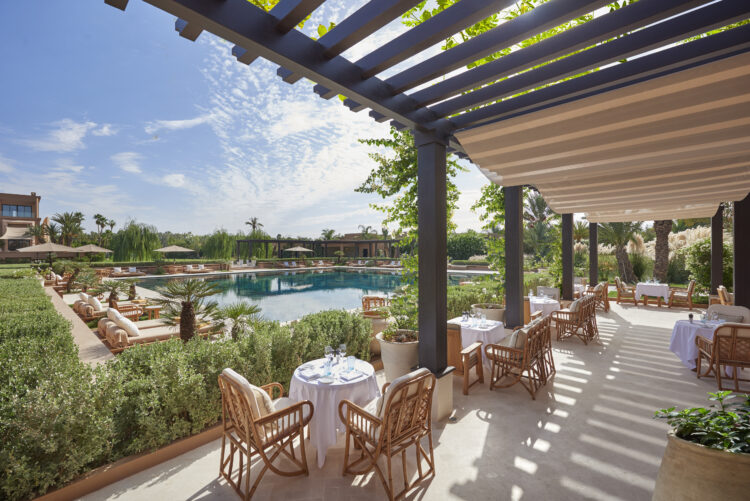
(174,248)
(15,233)
(670,147)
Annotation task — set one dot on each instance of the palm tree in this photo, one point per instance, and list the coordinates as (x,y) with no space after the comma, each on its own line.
(113,289)
(536,210)
(70,225)
(580,231)
(101,223)
(661,250)
(619,234)
(327,234)
(365,229)
(53,233)
(185,302)
(254,223)
(385,232)
(38,233)
(238,315)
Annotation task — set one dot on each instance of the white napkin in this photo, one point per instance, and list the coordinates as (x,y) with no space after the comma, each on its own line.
(309,373)
(350,375)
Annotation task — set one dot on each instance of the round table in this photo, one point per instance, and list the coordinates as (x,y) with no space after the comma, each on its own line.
(683,344)
(544,304)
(492,333)
(652,290)
(325,398)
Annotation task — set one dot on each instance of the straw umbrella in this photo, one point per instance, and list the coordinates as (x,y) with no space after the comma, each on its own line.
(92,249)
(175,249)
(297,250)
(49,248)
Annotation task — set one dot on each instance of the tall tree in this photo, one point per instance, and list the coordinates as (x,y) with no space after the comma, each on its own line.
(101,223)
(618,235)
(38,233)
(580,231)
(365,230)
(254,223)
(53,233)
(70,226)
(327,234)
(661,251)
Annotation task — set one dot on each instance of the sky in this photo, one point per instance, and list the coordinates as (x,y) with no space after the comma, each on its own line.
(113,112)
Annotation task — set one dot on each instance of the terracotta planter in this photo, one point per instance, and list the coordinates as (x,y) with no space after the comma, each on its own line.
(691,471)
(492,311)
(398,358)
(379,323)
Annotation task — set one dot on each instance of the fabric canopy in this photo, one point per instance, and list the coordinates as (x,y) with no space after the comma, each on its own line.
(15,233)
(671,147)
(173,248)
(48,247)
(297,249)
(92,249)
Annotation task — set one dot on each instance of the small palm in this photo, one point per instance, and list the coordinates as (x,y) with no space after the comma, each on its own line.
(239,314)
(188,301)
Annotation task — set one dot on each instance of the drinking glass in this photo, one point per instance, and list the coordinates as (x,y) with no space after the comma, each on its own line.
(342,351)
(465,317)
(350,361)
(484,319)
(329,353)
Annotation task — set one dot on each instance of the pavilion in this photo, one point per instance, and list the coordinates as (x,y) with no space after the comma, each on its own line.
(660,130)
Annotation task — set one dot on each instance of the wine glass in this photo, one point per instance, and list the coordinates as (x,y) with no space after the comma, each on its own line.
(342,351)
(329,353)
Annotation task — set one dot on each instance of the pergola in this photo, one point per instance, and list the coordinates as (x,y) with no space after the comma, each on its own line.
(521,123)
(371,244)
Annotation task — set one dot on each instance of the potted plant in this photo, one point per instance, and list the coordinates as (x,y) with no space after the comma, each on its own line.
(708,451)
(399,343)
(379,320)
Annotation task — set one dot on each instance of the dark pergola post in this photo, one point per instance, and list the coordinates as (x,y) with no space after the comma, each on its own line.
(513,256)
(432,235)
(567,257)
(278,249)
(266,254)
(593,253)
(717,249)
(237,248)
(250,250)
(741,252)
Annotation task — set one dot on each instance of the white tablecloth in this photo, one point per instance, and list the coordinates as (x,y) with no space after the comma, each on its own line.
(325,398)
(653,290)
(544,304)
(683,344)
(492,333)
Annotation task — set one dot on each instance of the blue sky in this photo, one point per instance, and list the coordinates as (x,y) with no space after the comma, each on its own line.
(112,112)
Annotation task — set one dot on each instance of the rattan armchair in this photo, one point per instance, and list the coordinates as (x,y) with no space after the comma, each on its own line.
(523,360)
(729,348)
(679,297)
(724,297)
(388,427)
(625,293)
(601,295)
(464,359)
(373,302)
(577,320)
(248,432)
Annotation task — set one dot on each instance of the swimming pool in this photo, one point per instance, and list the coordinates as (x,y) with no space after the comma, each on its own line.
(290,295)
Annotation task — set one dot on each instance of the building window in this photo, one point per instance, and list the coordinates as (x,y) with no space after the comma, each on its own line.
(17,211)
(18,244)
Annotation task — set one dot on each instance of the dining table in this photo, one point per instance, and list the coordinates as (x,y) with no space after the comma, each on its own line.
(489,332)
(544,304)
(682,342)
(652,289)
(309,382)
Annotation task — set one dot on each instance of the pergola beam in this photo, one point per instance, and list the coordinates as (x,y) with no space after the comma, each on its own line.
(667,61)
(435,29)
(585,35)
(292,12)
(659,35)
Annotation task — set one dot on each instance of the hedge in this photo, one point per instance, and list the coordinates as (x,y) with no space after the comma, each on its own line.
(470,263)
(60,418)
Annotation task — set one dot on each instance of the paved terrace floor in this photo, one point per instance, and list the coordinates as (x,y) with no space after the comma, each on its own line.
(589,435)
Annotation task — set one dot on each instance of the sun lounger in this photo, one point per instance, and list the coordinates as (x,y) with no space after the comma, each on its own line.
(132,271)
(119,336)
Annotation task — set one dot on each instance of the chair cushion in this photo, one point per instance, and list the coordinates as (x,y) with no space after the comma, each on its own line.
(284,402)
(575,305)
(395,384)
(509,341)
(521,336)
(95,303)
(730,318)
(116,269)
(83,297)
(132,270)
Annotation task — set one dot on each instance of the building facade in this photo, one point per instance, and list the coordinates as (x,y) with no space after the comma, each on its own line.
(17,214)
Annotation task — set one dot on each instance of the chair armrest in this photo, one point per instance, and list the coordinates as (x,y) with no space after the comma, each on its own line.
(535,315)
(500,353)
(283,419)
(268,388)
(359,419)
(563,316)
(471,348)
(703,344)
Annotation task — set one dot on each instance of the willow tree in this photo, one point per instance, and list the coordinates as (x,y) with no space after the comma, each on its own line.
(135,242)
(218,245)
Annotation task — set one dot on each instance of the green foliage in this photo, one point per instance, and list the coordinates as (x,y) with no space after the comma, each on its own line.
(462,246)
(237,317)
(219,245)
(185,302)
(725,428)
(491,207)
(460,298)
(698,263)
(643,266)
(135,242)
(333,327)
(677,273)
(607,267)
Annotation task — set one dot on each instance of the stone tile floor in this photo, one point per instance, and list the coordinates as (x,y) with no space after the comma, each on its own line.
(590,434)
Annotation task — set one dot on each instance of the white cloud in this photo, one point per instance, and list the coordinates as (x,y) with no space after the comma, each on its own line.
(158,125)
(66,137)
(105,130)
(6,166)
(128,161)
(174,180)
(66,164)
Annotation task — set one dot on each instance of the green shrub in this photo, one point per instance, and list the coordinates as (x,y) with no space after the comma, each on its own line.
(333,328)
(643,267)
(219,245)
(698,263)
(676,271)
(462,246)
(607,267)
(470,263)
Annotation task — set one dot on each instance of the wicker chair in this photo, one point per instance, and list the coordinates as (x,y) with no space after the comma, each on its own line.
(730,348)
(388,426)
(373,302)
(601,294)
(724,297)
(625,293)
(577,320)
(523,359)
(678,297)
(248,432)
(464,359)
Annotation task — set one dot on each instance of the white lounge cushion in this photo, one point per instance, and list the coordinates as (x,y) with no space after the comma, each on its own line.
(188,267)
(123,323)
(83,297)
(59,278)
(132,270)
(575,305)
(116,269)
(730,318)
(95,303)
(201,267)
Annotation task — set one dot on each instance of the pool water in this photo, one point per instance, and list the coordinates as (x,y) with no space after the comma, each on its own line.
(290,295)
